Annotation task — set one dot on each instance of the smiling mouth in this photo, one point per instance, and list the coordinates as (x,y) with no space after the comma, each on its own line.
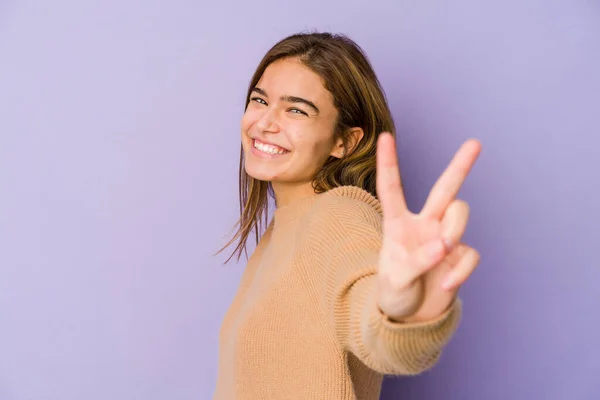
(268,148)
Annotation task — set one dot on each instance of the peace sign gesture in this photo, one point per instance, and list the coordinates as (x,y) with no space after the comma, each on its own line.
(422,261)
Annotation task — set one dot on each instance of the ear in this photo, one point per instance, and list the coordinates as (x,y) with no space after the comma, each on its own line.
(354,136)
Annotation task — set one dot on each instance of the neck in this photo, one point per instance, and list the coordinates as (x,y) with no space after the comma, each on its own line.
(287,193)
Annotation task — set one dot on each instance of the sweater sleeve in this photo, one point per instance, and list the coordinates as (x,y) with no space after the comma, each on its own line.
(341,245)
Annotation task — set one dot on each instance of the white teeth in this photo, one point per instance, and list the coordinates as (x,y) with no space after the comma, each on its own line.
(267,148)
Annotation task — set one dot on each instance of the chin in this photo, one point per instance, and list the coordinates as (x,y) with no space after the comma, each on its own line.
(259,172)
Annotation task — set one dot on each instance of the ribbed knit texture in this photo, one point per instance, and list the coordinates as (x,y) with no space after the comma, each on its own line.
(304,323)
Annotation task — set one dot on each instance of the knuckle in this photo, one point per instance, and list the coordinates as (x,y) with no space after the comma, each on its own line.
(461,206)
(396,283)
(476,256)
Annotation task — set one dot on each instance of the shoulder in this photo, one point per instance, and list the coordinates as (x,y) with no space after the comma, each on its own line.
(346,207)
(343,220)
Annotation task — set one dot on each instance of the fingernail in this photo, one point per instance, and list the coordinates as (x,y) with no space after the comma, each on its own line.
(448,283)
(448,245)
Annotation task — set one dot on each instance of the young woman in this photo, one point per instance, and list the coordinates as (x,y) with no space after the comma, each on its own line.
(345,284)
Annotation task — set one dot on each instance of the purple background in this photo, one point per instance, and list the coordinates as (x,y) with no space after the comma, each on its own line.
(119,130)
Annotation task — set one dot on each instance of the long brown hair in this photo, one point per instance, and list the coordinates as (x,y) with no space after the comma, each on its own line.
(357,94)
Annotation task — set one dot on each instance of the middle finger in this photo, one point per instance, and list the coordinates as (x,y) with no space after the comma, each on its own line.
(449,183)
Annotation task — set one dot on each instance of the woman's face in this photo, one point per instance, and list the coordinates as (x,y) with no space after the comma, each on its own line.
(288,126)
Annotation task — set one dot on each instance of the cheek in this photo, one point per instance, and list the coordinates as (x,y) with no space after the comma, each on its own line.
(315,142)
(249,119)
(246,122)
(313,151)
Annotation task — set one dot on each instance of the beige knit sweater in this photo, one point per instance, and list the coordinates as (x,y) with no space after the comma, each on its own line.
(304,323)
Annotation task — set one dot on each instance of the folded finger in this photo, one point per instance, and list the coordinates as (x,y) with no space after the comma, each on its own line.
(425,257)
(463,269)
(454,222)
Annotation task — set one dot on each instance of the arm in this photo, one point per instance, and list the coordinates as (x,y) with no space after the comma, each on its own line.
(343,242)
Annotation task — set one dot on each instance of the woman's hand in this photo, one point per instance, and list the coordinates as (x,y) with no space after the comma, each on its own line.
(422,261)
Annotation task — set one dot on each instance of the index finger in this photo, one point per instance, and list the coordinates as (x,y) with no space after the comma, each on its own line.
(446,188)
(388,182)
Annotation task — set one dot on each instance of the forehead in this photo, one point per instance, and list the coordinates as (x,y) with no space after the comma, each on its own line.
(292,78)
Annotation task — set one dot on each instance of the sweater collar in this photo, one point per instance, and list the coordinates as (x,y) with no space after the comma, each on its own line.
(357,193)
(298,208)
(294,210)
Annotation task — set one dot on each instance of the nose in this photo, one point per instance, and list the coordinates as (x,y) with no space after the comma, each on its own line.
(268,122)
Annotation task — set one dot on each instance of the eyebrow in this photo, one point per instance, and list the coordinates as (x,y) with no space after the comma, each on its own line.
(290,99)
